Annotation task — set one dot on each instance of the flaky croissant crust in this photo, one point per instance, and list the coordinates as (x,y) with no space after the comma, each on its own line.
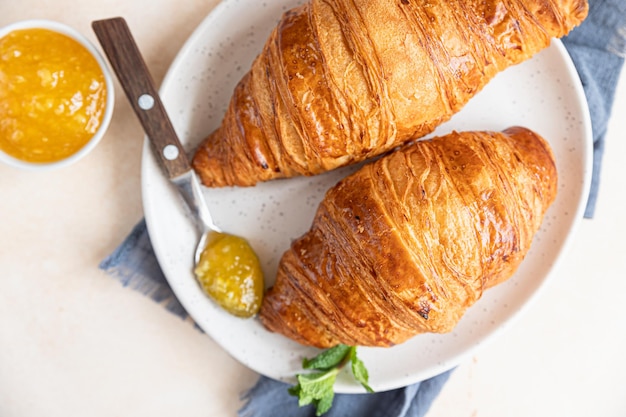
(407,243)
(340,81)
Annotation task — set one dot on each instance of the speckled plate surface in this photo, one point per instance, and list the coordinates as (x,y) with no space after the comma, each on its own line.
(543,94)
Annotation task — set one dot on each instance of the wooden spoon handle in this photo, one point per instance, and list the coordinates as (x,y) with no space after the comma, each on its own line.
(136,81)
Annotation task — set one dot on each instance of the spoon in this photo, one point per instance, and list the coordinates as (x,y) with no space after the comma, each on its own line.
(227,268)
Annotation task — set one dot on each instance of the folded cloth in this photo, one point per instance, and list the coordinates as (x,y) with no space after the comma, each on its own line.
(597,48)
(269,398)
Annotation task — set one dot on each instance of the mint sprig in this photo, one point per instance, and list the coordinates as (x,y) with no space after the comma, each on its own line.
(359,370)
(317,388)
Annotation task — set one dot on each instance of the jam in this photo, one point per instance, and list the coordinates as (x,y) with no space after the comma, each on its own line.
(230,273)
(52,95)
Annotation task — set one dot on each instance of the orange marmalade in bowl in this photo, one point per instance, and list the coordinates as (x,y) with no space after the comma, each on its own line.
(54,94)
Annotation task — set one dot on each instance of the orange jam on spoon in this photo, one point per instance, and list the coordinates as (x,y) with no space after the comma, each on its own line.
(52,95)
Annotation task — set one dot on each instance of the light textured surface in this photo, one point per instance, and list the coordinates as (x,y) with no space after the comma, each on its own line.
(74,342)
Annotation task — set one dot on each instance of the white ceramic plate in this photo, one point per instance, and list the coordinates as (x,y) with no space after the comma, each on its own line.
(543,94)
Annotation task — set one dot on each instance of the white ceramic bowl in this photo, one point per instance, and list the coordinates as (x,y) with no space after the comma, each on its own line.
(110,98)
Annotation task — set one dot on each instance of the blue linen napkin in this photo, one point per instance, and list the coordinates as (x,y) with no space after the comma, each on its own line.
(597,47)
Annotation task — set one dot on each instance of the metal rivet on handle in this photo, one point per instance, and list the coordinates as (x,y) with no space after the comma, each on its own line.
(170,152)
(145,101)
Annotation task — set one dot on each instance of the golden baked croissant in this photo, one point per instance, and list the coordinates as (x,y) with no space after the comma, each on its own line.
(341,81)
(407,243)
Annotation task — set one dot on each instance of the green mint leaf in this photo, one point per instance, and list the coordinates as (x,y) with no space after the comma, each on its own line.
(324,404)
(317,389)
(359,370)
(328,359)
(295,390)
(318,384)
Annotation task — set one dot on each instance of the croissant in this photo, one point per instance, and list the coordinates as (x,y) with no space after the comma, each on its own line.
(407,243)
(340,81)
